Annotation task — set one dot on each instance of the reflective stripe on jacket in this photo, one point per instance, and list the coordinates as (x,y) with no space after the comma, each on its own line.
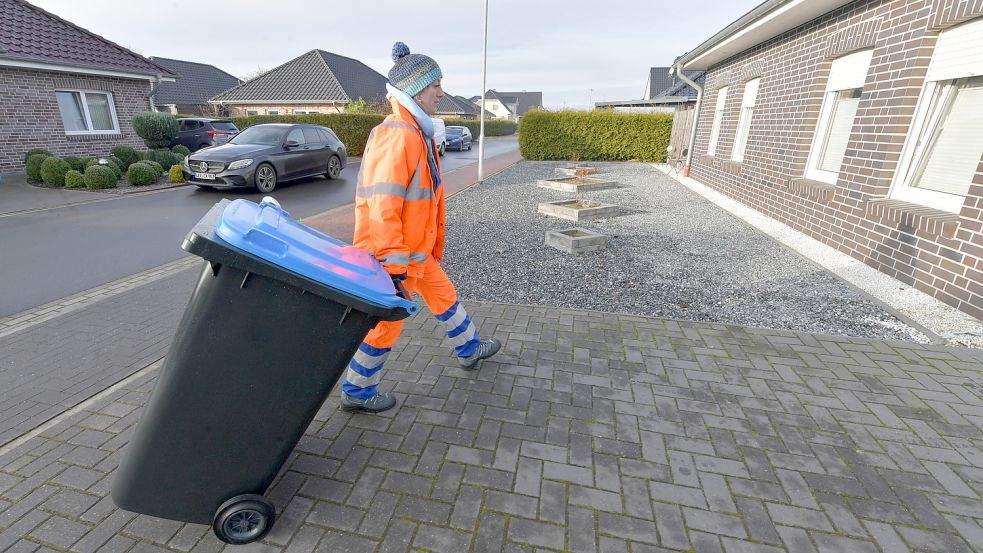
(399,211)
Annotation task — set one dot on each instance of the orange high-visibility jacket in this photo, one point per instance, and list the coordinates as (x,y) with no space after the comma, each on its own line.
(399,212)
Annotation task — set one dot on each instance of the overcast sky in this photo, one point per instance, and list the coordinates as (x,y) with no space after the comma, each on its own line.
(573,51)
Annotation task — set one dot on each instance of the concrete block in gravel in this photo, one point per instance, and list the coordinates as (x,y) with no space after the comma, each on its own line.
(578,210)
(576,240)
(577,184)
(572,171)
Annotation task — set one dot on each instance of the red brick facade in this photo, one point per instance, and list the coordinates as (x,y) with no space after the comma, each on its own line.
(936,252)
(29,115)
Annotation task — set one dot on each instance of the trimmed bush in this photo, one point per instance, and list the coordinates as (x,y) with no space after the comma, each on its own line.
(165,158)
(181,150)
(175,174)
(492,128)
(34,166)
(156,128)
(126,155)
(352,129)
(84,161)
(34,151)
(98,177)
(75,162)
(74,179)
(53,171)
(140,174)
(157,166)
(92,161)
(594,136)
(116,166)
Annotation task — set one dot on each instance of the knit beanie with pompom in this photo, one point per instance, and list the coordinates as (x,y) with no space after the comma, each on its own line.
(412,72)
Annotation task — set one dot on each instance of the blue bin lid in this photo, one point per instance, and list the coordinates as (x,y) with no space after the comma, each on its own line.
(267,231)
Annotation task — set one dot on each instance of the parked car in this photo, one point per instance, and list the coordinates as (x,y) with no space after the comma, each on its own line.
(265,155)
(439,135)
(458,138)
(196,133)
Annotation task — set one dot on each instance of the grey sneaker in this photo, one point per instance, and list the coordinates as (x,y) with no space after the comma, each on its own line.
(485,349)
(375,404)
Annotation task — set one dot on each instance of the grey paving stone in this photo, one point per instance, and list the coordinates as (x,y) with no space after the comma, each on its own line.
(536,533)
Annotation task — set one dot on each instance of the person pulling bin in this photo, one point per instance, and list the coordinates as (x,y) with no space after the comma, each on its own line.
(278,311)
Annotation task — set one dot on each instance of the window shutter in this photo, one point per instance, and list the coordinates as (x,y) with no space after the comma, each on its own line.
(956,150)
(849,71)
(958,53)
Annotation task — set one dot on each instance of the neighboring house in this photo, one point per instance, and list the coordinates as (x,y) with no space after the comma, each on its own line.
(510,105)
(663,93)
(459,107)
(65,89)
(196,83)
(316,82)
(860,124)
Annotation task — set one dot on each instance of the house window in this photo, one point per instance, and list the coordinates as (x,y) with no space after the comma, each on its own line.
(305,111)
(272,112)
(87,112)
(744,121)
(840,102)
(250,112)
(945,144)
(718,116)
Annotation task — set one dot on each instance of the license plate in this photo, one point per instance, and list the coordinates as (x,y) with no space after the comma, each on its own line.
(205,176)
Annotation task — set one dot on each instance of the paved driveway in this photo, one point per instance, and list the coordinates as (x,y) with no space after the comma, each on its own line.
(590,432)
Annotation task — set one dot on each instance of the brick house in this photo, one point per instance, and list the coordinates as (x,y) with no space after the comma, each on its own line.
(65,89)
(510,106)
(316,82)
(196,83)
(859,123)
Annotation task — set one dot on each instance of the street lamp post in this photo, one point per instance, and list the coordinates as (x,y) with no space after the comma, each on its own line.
(484,87)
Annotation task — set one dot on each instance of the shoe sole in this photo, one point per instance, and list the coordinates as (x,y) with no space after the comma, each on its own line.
(360,409)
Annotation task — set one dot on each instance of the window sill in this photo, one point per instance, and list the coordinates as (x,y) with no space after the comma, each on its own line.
(820,191)
(914,216)
(94,136)
(731,166)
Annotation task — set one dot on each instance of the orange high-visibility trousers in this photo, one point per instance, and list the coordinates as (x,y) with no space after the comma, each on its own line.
(365,368)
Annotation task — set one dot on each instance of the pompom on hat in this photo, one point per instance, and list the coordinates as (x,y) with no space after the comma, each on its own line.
(412,72)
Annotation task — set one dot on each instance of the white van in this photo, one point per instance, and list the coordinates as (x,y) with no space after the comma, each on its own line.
(439,135)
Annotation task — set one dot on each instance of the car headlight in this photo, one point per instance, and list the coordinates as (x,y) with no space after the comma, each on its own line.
(184,163)
(239,164)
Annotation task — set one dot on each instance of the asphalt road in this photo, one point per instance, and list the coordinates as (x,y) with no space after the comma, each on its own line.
(57,251)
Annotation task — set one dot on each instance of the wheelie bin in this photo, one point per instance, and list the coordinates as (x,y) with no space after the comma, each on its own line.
(278,311)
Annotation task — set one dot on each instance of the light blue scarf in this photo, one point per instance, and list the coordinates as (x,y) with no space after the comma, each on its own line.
(425,124)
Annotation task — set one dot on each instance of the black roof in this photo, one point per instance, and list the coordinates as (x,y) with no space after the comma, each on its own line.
(316,76)
(660,84)
(195,84)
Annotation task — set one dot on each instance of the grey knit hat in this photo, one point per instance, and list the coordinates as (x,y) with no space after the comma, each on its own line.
(412,72)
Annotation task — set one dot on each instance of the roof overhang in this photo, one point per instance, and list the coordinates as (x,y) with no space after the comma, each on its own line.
(669,100)
(6,62)
(274,102)
(766,21)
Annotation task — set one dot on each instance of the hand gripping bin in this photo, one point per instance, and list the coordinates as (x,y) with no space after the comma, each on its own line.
(278,311)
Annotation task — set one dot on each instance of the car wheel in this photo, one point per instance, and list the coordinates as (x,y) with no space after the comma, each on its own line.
(469,146)
(265,178)
(334,168)
(443,148)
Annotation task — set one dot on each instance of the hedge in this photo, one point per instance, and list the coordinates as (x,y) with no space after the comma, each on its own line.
(74,179)
(594,136)
(53,171)
(99,176)
(164,157)
(353,129)
(492,128)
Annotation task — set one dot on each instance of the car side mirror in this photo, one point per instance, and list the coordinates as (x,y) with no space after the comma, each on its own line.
(291,144)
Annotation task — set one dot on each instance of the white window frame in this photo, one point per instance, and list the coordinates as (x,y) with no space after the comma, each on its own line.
(718,117)
(748,102)
(272,112)
(939,86)
(838,82)
(305,111)
(252,113)
(85,111)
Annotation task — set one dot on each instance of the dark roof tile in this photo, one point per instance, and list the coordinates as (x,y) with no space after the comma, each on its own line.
(28,33)
(195,84)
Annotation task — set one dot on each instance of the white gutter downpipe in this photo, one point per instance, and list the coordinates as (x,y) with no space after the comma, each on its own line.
(677,68)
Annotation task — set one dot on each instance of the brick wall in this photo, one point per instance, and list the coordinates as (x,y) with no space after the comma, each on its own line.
(938,253)
(29,116)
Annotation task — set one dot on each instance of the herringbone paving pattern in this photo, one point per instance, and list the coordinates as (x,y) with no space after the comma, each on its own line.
(591,432)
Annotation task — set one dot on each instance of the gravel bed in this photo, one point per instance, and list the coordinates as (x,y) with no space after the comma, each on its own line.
(670,254)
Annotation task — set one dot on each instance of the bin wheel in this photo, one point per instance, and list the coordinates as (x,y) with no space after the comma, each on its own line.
(243,519)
